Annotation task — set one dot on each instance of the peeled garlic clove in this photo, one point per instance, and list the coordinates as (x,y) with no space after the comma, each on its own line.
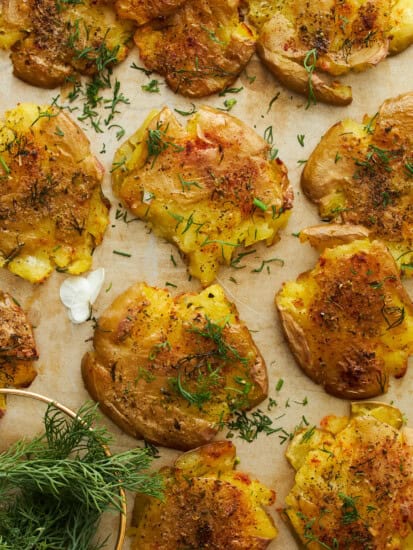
(95,280)
(79,313)
(75,290)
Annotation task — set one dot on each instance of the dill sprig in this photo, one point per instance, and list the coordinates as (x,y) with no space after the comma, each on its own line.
(55,487)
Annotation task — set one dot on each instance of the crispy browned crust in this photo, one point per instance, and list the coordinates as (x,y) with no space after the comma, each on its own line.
(52,181)
(186,49)
(17,345)
(56,37)
(344,36)
(229,166)
(200,510)
(365,474)
(337,340)
(369,170)
(141,343)
(143,11)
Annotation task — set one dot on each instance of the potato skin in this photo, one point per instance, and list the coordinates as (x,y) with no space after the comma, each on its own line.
(52,212)
(354,481)
(199,187)
(17,347)
(207,504)
(143,11)
(51,40)
(152,355)
(349,321)
(200,49)
(359,174)
(344,36)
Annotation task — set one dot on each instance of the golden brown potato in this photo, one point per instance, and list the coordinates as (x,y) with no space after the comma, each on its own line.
(349,321)
(354,482)
(363,173)
(17,347)
(207,504)
(52,212)
(171,370)
(52,39)
(208,188)
(200,49)
(143,11)
(298,41)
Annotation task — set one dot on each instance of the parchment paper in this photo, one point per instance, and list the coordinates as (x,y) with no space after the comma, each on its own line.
(62,344)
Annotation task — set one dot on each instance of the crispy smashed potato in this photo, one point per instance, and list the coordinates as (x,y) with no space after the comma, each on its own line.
(354,482)
(349,321)
(143,11)
(207,504)
(363,173)
(200,49)
(17,347)
(299,41)
(52,39)
(170,370)
(208,188)
(52,212)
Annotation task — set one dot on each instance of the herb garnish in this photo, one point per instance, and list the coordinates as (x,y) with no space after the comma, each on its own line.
(186,185)
(186,113)
(349,512)
(265,263)
(228,104)
(157,142)
(230,91)
(277,95)
(249,425)
(152,87)
(55,487)
(310,62)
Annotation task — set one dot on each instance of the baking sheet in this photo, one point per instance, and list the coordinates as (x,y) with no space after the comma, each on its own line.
(61,344)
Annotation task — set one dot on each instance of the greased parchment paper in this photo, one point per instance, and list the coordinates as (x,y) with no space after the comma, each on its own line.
(61,344)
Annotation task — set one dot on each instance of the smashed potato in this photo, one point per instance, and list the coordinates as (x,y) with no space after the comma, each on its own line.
(363,173)
(17,347)
(354,482)
(143,11)
(206,504)
(349,321)
(298,41)
(170,370)
(208,188)
(52,39)
(52,212)
(200,49)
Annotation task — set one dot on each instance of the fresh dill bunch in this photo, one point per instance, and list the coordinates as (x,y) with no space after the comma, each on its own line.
(55,487)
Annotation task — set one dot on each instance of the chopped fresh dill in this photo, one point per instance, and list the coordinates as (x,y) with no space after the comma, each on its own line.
(265,263)
(146,71)
(212,35)
(236,261)
(310,62)
(157,142)
(186,185)
(121,253)
(152,87)
(259,204)
(230,91)
(268,135)
(4,165)
(279,384)
(273,100)
(228,104)
(187,113)
(300,139)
